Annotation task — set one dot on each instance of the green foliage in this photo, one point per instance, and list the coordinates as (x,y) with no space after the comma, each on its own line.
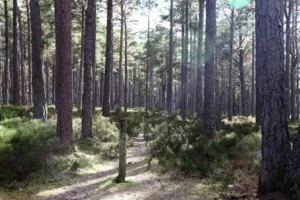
(9,111)
(104,140)
(135,119)
(24,147)
(181,143)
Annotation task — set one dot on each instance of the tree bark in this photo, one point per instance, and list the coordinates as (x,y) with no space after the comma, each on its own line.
(242,75)
(218,97)
(230,103)
(39,99)
(122,151)
(184,72)
(5,78)
(47,80)
(253,77)
(15,61)
(81,55)
(29,54)
(147,63)
(121,56)
(209,125)
(170,64)
(270,60)
(126,63)
(63,30)
(87,98)
(94,97)
(288,12)
(21,45)
(109,45)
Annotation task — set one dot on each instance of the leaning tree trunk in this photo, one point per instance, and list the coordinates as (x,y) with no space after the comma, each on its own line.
(39,99)
(63,30)
(109,45)
(209,116)
(270,60)
(87,98)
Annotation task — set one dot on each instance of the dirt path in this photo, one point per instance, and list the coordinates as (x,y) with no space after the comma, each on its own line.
(142,183)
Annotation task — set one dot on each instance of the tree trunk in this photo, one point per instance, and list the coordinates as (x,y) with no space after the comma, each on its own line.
(242,75)
(122,151)
(121,57)
(63,30)
(126,70)
(218,95)
(288,3)
(81,55)
(29,54)
(184,71)
(101,87)
(47,80)
(23,79)
(270,60)
(109,45)
(147,62)
(53,83)
(230,106)
(16,79)
(170,65)
(94,97)
(134,87)
(199,92)
(253,77)
(39,99)
(294,65)
(5,79)
(87,98)
(209,125)
(112,76)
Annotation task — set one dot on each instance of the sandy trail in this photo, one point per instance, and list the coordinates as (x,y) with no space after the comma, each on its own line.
(142,183)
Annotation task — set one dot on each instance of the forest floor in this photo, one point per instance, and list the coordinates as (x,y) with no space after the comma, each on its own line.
(142,183)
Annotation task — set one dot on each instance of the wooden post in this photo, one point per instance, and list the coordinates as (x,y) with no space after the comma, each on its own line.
(122,151)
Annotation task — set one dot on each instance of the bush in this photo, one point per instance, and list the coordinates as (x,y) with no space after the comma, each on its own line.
(105,137)
(135,120)
(24,147)
(9,112)
(181,143)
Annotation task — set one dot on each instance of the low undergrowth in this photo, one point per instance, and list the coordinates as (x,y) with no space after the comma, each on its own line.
(234,152)
(30,146)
